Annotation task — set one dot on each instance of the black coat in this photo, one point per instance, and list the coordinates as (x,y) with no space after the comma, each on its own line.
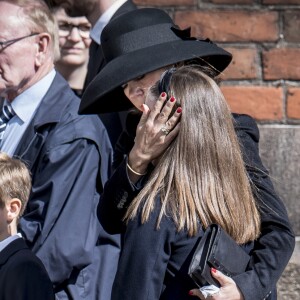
(269,257)
(22,274)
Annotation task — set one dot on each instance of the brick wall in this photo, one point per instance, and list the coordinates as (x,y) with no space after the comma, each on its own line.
(263,79)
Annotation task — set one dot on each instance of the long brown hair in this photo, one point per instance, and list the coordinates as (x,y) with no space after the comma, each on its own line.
(201,178)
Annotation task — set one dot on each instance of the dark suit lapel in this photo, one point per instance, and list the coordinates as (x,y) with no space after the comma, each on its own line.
(96,62)
(30,146)
(46,116)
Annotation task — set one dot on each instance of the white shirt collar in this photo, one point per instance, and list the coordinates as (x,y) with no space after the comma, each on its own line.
(104,19)
(26,103)
(8,240)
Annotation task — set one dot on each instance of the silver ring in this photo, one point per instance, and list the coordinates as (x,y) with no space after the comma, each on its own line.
(165,130)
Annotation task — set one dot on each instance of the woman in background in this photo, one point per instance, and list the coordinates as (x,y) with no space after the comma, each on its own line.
(74,42)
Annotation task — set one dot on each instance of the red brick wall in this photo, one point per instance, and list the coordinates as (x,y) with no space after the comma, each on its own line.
(263,79)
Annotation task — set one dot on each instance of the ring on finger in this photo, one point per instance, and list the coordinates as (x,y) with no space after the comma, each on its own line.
(165,130)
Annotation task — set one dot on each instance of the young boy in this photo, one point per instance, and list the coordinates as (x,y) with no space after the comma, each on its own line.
(22,274)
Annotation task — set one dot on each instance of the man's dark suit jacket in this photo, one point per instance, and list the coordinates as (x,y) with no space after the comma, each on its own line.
(67,155)
(272,250)
(22,274)
(114,122)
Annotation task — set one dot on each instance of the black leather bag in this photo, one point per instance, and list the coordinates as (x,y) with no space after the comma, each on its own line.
(216,249)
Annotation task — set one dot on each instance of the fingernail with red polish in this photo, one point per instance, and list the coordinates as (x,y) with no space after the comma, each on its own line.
(213,270)
(191,293)
(179,110)
(172,99)
(163,94)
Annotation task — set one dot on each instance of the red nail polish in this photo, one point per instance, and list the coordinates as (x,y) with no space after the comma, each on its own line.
(213,270)
(163,94)
(191,293)
(179,110)
(172,99)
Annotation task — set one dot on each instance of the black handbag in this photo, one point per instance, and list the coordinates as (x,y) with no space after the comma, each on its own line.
(216,249)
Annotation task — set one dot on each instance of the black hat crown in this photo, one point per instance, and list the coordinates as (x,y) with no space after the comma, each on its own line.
(148,28)
(137,43)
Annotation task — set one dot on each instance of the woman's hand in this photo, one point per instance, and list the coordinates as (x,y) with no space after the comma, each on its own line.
(155,131)
(228,289)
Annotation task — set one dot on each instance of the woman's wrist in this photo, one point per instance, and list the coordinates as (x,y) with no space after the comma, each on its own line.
(134,175)
(134,171)
(136,164)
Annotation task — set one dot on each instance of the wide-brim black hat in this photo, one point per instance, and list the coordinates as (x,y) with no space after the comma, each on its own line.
(139,42)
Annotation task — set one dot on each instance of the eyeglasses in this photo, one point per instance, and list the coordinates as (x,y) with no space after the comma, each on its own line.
(65,29)
(5,44)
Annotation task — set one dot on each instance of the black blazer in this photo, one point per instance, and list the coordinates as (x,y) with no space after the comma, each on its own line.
(22,274)
(115,121)
(271,252)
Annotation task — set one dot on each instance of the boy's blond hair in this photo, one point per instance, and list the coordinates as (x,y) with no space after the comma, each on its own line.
(15,181)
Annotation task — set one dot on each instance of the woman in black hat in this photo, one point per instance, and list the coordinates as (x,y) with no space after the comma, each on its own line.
(138,47)
(135,45)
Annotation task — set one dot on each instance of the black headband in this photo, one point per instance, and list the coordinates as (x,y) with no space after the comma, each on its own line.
(165,79)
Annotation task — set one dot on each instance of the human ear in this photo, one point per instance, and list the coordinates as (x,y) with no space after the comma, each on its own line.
(135,94)
(13,208)
(43,45)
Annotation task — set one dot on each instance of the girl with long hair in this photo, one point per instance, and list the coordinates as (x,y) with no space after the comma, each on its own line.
(200,179)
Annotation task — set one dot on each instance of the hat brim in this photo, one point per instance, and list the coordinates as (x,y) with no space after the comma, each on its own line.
(105,94)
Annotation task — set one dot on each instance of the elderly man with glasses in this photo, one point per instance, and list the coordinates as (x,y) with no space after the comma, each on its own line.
(67,154)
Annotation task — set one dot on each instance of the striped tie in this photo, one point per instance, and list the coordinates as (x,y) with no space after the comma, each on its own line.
(5,115)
